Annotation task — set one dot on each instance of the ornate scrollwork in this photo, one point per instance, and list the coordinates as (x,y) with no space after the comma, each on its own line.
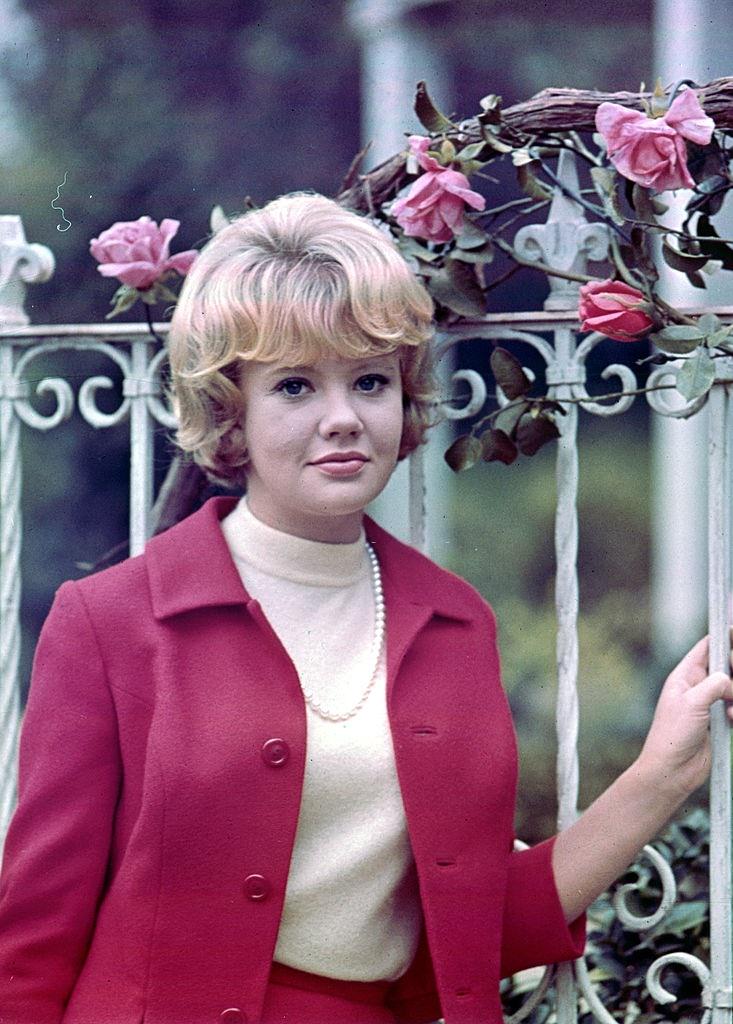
(669,402)
(687,960)
(88,406)
(133,387)
(157,408)
(476,399)
(534,1000)
(49,385)
(592,998)
(638,922)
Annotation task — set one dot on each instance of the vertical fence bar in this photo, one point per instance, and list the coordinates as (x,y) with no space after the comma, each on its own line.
(719,551)
(10,583)
(138,386)
(416,504)
(566,602)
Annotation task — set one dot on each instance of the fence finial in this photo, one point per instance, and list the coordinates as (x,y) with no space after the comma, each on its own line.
(21,263)
(567,241)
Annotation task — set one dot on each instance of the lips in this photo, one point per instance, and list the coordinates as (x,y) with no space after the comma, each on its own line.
(340,457)
(341,464)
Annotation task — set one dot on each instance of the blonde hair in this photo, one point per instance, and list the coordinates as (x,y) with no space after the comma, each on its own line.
(292,282)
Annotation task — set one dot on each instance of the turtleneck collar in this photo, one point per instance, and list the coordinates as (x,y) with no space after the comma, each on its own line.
(311,562)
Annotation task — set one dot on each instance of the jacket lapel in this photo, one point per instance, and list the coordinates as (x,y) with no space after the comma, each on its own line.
(189,566)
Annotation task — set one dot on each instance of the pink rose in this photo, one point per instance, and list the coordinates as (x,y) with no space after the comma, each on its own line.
(613,308)
(136,252)
(651,150)
(433,209)
(419,146)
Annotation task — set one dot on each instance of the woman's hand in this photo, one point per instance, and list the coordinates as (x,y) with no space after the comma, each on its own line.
(674,761)
(676,752)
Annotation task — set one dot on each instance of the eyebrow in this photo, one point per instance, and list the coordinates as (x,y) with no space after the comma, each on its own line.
(306,368)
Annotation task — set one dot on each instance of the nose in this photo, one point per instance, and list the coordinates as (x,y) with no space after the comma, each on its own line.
(339,415)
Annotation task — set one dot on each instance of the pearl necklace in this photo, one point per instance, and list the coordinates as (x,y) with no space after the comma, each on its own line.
(377,642)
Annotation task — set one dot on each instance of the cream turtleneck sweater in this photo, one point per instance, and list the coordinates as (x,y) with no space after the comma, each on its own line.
(351,906)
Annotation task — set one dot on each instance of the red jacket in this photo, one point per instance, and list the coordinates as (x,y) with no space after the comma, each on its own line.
(145,867)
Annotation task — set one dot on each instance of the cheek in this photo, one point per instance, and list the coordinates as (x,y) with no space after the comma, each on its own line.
(390,426)
(270,434)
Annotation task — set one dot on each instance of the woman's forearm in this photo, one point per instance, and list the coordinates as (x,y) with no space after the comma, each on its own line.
(590,854)
(674,761)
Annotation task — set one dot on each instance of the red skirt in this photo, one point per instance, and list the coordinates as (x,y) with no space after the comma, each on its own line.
(296,997)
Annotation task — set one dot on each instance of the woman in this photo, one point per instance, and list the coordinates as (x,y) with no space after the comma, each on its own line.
(267,768)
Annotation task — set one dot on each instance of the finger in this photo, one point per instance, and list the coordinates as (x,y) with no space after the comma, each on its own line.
(693,667)
(716,686)
(697,656)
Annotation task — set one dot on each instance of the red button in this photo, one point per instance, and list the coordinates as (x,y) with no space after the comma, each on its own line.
(275,753)
(232,1016)
(257,887)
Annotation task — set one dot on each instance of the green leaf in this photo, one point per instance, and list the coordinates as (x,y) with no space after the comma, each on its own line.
(125,297)
(463,453)
(720,337)
(456,286)
(496,143)
(605,180)
(685,916)
(471,152)
(472,236)
(469,167)
(520,157)
(709,194)
(496,446)
(490,109)
(447,151)
(164,294)
(483,255)
(697,375)
(708,323)
(509,416)
(678,339)
(428,114)
(681,260)
(530,183)
(509,374)
(660,207)
(643,203)
(535,431)
(410,246)
(710,242)
(218,219)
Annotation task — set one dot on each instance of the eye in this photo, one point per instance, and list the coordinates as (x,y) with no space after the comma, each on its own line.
(371,382)
(293,387)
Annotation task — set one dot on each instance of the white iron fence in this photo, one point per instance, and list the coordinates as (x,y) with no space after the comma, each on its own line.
(566,241)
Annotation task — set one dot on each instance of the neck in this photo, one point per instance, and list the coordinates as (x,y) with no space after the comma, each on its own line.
(326,529)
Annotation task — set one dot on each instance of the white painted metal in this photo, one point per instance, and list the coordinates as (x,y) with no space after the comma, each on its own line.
(719,553)
(138,387)
(10,539)
(693,40)
(20,263)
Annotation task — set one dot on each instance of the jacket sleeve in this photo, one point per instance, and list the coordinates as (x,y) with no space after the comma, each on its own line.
(57,847)
(535,931)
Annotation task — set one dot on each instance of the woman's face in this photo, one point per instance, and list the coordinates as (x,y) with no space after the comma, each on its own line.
(322,440)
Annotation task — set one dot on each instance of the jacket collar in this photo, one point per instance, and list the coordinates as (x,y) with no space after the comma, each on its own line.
(189,567)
